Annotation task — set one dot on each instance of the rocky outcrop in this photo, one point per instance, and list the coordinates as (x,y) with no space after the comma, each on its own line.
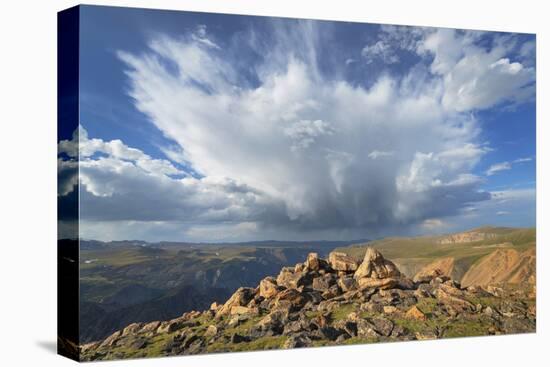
(375,266)
(330,302)
(377,272)
(268,287)
(342,262)
(464,237)
(240,298)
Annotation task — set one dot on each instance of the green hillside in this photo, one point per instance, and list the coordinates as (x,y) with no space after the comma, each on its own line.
(412,253)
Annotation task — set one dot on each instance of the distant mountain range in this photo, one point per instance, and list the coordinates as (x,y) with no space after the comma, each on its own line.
(136,281)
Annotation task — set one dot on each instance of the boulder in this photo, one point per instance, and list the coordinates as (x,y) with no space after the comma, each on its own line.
(415,314)
(111,339)
(150,327)
(241,297)
(171,326)
(324,282)
(242,310)
(211,331)
(138,344)
(331,292)
(297,341)
(268,287)
(382,326)
(342,262)
(313,262)
(131,329)
(364,283)
(405,283)
(365,329)
(454,301)
(273,323)
(375,266)
(288,278)
(289,299)
(347,283)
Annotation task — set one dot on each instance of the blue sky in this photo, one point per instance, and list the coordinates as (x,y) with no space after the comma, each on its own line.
(211,127)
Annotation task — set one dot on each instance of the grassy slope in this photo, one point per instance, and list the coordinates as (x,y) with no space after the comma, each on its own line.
(411,253)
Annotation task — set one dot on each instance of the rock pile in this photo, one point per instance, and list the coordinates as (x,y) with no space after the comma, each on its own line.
(322,302)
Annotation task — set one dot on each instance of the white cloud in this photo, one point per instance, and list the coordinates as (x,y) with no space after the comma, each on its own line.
(504,166)
(302,140)
(513,195)
(475,77)
(200,35)
(523,160)
(498,167)
(305,132)
(392,40)
(119,183)
(380,51)
(296,153)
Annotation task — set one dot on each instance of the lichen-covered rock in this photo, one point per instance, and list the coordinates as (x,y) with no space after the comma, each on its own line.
(364,283)
(375,266)
(415,314)
(241,297)
(313,263)
(211,331)
(342,262)
(347,283)
(131,329)
(268,287)
(288,278)
(289,299)
(324,282)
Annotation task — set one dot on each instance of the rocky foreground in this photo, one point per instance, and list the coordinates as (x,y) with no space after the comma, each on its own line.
(330,302)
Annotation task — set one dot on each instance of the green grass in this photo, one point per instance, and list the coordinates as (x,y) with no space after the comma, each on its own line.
(244,327)
(459,328)
(419,326)
(342,312)
(427,306)
(264,343)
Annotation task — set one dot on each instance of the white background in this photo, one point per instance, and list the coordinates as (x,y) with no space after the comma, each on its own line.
(28,181)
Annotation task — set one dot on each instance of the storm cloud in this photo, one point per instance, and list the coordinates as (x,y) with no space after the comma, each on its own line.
(294,150)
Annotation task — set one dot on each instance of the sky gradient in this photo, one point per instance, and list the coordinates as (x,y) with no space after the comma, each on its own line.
(209,127)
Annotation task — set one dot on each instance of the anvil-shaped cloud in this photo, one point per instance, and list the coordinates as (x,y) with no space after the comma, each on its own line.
(280,145)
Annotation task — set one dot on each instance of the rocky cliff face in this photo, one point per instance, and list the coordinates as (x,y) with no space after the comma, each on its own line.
(330,302)
(470,236)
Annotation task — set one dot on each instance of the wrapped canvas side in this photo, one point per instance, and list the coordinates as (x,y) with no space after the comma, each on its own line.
(68,203)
